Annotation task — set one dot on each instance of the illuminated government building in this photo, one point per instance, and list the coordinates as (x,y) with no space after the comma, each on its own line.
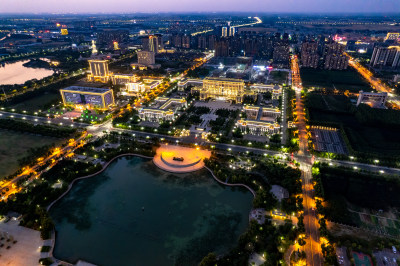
(99,71)
(260,120)
(163,109)
(222,89)
(87,97)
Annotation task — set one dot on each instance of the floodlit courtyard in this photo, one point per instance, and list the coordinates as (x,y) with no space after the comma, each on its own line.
(26,251)
(178,159)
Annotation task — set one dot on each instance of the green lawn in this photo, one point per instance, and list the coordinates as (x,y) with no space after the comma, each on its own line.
(366,137)
(14,145)
(38,103)
(330,79)
(279,76)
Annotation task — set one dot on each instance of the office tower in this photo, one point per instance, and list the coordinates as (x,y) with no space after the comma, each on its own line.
(160,41)
(98,70)
(146,58)
(386,56)
(150,43)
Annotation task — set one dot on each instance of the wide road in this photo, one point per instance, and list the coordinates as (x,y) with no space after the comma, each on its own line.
(313,246)
(40,119)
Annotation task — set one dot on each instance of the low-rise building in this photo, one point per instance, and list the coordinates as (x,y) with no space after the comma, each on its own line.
(163,109)
(87,97)
(222,89)
(184,83)
(260,120)
(121,79)
(375,100)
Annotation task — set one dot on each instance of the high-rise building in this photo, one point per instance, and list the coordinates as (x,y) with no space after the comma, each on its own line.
(222,48)
(211,42)
(334,58)
(150,43)
(108,37)
(177,40)
(146,58)
(224,32)
(98,70)
(202,42)
(232,31)
(309,54)
(386,56)
(186,41)
(333,48)
(336,62)
(281,55)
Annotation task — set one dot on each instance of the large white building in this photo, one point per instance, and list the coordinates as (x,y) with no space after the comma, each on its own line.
(386,56)
(260,120)
(163,109)
(375,100)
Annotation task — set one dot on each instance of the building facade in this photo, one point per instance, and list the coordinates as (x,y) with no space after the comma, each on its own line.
(222,89)
(163,109)
(87,97)
(386,56)
(99,71)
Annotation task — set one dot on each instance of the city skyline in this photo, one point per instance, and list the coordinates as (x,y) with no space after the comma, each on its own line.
(154,6)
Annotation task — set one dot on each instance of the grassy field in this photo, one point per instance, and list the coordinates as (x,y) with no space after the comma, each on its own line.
(279,76)
(330,79)
(38,103)
(363,137)
(14,145)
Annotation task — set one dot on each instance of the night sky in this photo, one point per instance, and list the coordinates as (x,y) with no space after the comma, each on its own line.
(127,6)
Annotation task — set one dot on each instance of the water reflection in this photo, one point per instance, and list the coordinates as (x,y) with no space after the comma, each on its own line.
(185,217)
(16,73)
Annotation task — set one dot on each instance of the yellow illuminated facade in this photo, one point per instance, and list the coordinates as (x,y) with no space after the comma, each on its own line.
(121,79)
(164,109)
(99,71)
(87,97)
(222,89)
(394,36)
(116,45)
(64,31)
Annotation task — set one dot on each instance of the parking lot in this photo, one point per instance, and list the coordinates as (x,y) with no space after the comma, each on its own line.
(391,258)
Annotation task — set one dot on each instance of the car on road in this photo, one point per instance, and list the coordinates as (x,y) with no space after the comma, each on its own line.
(394,249)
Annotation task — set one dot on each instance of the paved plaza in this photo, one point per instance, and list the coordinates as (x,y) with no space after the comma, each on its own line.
(192,159)
(26,251)
(328,140)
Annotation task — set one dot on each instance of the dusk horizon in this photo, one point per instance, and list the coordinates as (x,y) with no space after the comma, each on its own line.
(153,6)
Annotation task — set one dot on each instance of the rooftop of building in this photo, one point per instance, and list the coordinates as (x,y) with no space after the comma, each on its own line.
(86,89)
(224,79)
